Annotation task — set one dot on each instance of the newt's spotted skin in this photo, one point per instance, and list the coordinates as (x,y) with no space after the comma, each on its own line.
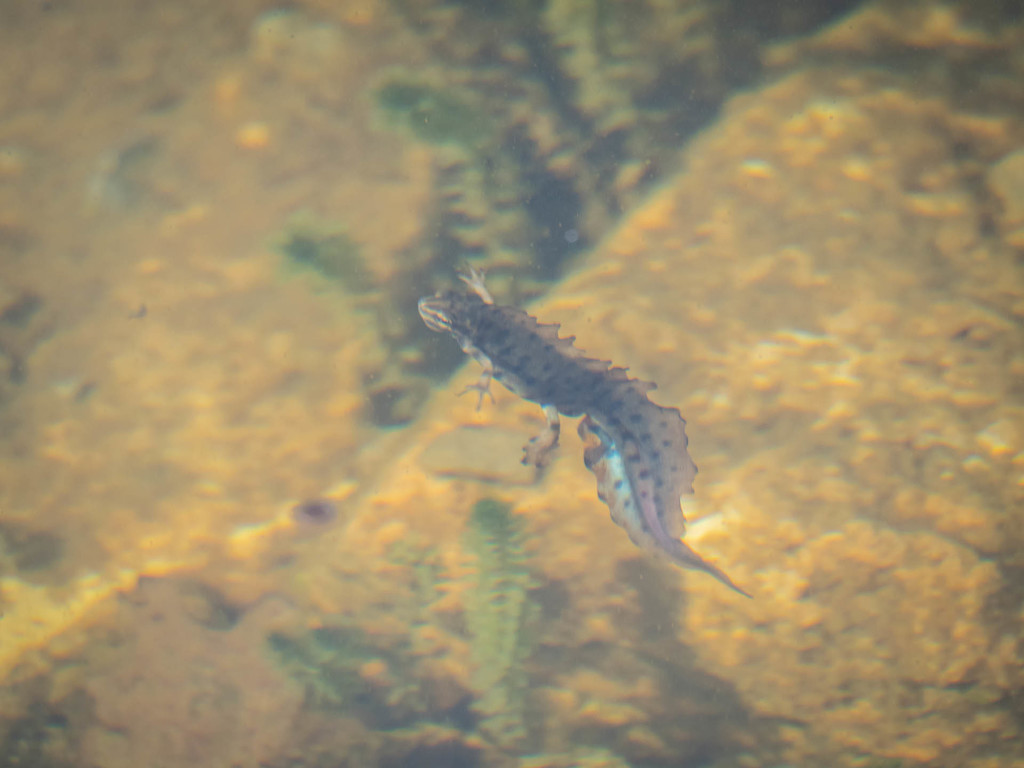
(635,448)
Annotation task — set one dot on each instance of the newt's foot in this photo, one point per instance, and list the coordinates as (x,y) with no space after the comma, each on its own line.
(475,280)
(536,451)
(482,388)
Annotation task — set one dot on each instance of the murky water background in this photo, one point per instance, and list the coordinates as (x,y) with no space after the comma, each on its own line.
(245,519)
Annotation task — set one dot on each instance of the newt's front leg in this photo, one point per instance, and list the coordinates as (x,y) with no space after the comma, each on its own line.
(483,384)
(482,387)
(536,451)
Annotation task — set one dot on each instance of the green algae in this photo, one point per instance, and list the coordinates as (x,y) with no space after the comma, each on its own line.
(498,616)
(327,248)
(40,739)
(26,551)
(325,662)
(433,114)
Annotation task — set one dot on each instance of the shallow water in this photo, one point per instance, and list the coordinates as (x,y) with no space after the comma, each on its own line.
(214,227)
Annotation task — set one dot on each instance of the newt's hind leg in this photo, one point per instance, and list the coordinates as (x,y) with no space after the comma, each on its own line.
(536,451)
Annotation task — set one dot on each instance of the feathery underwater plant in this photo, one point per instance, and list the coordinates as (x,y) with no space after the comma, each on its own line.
(498,616)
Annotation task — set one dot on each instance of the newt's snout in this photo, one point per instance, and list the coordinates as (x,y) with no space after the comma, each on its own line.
(434,311)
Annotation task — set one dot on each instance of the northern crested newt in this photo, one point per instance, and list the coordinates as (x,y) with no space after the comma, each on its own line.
(636,449)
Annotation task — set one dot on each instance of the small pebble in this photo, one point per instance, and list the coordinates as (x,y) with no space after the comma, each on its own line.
(315,511)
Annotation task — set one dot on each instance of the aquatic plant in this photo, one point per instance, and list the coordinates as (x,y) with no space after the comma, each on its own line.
(326,662)
(342,669)
(28,552)
(326,247)
(39,739)
(498,617)
(433,114)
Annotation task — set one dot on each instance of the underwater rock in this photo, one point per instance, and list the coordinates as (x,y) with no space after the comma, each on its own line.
(180,694)
(822,292)
(854,384)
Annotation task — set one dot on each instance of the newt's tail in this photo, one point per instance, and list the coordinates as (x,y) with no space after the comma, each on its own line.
(686,557)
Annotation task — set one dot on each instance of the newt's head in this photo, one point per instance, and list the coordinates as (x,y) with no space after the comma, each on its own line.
(436,312)
(449,312)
